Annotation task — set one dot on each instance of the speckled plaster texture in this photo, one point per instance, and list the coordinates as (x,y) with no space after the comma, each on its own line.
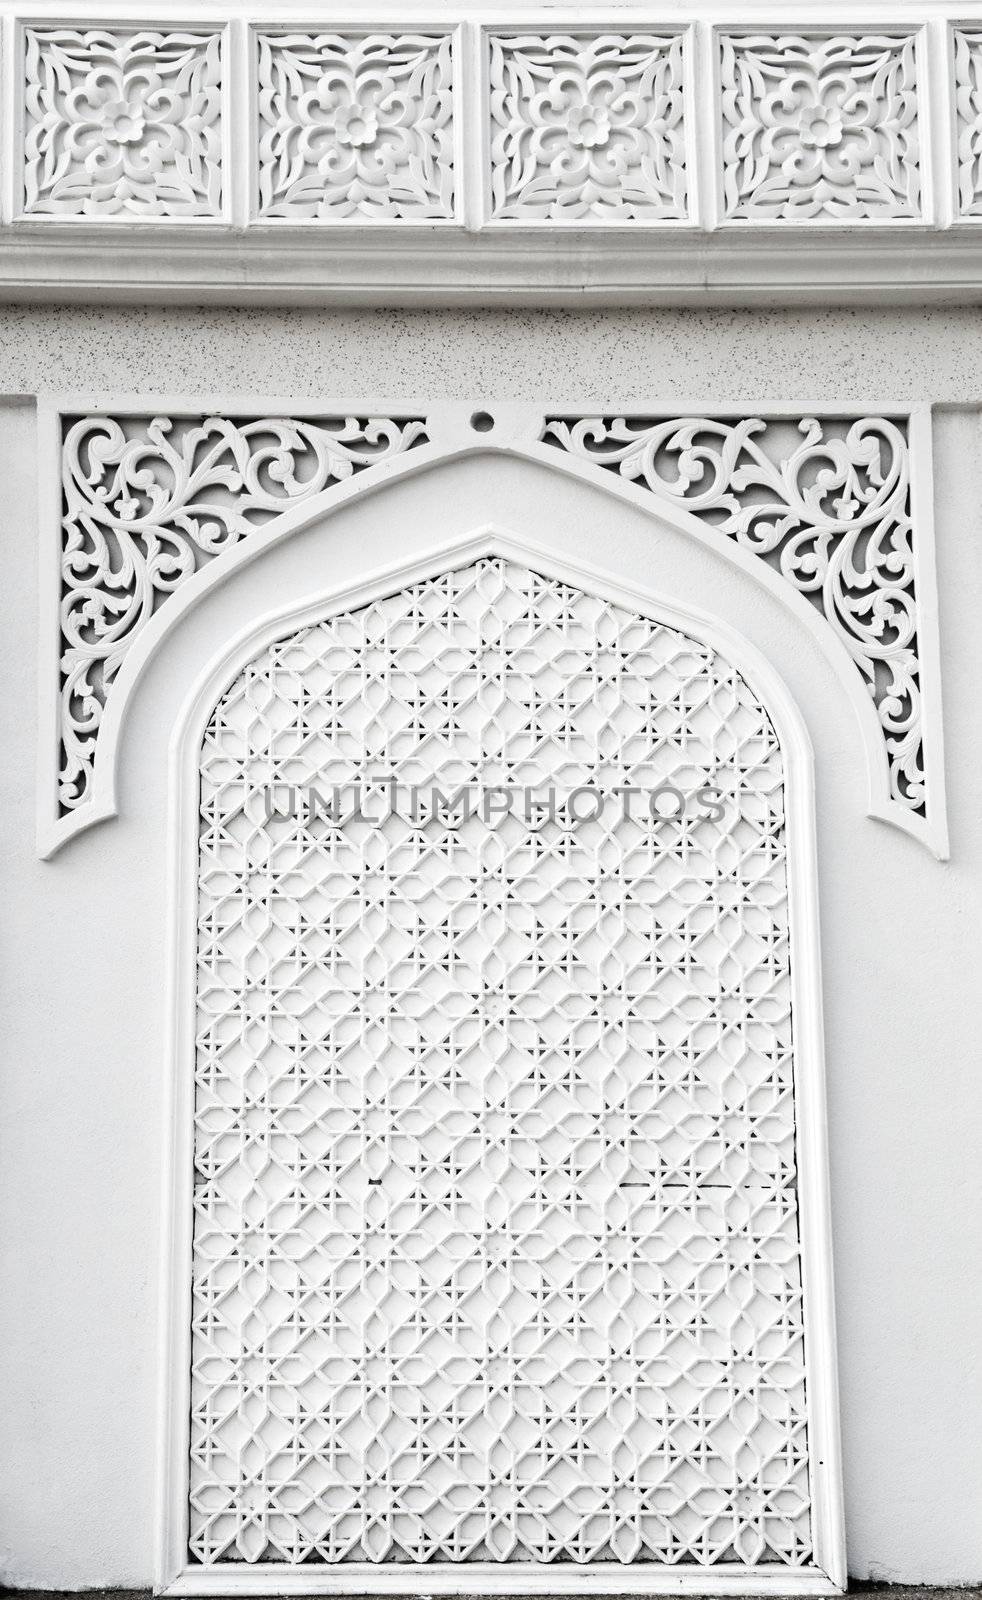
(708,358)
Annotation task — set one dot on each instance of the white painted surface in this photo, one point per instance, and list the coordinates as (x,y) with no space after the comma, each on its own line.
(83,1127)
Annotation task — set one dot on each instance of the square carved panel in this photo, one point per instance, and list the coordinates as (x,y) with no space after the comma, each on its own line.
(820,127)
(122,123)
(968,114)
(587,127)
(356,127)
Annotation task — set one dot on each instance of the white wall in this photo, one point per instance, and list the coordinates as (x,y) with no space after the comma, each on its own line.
(86,936)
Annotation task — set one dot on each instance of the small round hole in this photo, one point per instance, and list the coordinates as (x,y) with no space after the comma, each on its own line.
(482,422)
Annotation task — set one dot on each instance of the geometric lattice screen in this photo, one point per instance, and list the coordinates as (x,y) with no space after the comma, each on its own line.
(496,1244)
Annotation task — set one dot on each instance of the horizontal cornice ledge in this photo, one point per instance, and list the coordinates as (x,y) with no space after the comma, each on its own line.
(541,266)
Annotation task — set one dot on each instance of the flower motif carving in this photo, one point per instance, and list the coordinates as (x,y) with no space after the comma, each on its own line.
(830,513)
(820,127)
(123,124)
(356,127)
(147,503)
(968,108)
(587,127)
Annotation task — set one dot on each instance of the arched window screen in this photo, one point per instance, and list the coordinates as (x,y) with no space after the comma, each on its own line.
(496,1235)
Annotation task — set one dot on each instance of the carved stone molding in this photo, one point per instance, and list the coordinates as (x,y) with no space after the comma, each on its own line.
(827,511)
(416,157)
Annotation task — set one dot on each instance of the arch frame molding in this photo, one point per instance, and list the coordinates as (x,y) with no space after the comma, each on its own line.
(434,433)
(175,1575)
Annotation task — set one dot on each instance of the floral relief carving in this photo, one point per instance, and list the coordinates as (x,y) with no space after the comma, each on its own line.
(356,127)
(820,127)
(147,503)
(968,109)
(123,124)
(587,127)
(826,505)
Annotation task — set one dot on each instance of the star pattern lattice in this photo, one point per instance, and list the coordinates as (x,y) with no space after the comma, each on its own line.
(496,1242)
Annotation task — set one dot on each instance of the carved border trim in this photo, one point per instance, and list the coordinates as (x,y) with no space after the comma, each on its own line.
(147,505)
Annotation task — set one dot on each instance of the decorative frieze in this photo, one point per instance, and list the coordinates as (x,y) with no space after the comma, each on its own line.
(653,122)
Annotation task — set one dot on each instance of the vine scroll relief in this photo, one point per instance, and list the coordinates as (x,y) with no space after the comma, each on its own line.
(829,511)
(149,502)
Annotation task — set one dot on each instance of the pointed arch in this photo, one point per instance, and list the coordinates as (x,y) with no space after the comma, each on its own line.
(821,1568)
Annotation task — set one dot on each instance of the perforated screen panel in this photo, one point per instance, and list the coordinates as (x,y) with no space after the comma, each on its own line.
(496,1247)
